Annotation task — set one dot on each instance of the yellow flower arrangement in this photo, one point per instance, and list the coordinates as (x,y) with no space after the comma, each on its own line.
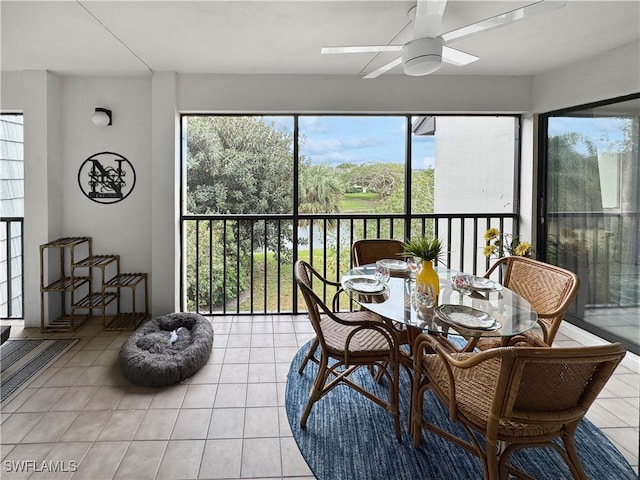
(500,244)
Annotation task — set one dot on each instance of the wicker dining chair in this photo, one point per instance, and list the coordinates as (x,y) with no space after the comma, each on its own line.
(310,355)
(348,341)
(363,252)
(517,397)
(548,288)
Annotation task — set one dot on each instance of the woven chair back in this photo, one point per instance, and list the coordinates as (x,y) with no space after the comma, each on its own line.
(548,288)
(552,385)
(304,274)
(515,397)
(371,250)
(319,312)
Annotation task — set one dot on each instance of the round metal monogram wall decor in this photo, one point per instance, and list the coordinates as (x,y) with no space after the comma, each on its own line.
(106,177)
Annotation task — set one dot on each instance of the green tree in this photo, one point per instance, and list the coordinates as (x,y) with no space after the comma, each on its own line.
(356,178)
(320,189)
(387,178)
(238,165)
(422,191)
(235,165)
(573,167)
(422,194)
(382,178)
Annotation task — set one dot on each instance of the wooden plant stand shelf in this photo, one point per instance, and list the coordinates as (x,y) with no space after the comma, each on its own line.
(97,294)
(65,285)
(128,320)
(97,261)
(67,242)
(98,300)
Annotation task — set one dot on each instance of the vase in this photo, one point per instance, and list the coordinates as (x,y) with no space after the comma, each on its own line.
(427,281)
(503,272)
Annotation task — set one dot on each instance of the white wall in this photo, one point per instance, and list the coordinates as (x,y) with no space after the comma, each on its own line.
(474,156)
(59,136)
(608,75)
(118,228)
(11,91)
(142,228)
(328,94)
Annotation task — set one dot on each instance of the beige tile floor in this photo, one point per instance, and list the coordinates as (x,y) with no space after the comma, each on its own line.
(227,421)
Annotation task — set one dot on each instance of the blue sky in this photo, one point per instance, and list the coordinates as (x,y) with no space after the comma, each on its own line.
(334,140)
(604,132)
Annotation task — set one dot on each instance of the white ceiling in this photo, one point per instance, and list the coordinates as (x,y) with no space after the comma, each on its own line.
(88,37)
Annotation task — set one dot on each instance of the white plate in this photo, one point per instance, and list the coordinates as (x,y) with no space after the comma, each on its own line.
(364,285)
(481,284)
(395,265)
(467,317)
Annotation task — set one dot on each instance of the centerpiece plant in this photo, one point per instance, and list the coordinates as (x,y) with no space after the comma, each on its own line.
(428,250)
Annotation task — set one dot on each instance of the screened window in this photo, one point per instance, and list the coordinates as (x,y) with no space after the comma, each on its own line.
(592,215)
(238,164)
(260,192)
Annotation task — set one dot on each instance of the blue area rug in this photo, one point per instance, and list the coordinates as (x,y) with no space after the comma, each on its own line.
(349,437)
(22,360)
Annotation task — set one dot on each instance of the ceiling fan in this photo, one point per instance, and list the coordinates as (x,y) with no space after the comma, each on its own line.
(426,52)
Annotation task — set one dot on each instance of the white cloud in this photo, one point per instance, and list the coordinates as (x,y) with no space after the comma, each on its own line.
(281,122)
(335,158)
(314,146)
(312,125)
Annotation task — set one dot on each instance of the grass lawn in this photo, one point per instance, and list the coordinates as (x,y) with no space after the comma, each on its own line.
(358,202)
(286,283)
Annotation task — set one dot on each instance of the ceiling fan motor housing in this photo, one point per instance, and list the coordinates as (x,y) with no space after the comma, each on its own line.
(422,56)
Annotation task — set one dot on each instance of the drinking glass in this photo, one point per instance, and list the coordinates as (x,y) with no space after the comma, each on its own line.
(382,271)
(463,283)
(412,265)
(423,299)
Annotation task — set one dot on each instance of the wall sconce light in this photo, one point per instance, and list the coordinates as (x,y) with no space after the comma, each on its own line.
(101,117)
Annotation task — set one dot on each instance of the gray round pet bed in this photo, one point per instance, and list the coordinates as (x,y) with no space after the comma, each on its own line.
(167,349)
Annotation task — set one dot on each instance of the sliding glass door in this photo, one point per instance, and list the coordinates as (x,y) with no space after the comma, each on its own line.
(590,220)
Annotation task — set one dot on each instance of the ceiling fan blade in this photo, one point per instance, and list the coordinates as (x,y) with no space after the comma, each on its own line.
(504,19)
(361,49)
(385,68)
(457,57)
(428,18)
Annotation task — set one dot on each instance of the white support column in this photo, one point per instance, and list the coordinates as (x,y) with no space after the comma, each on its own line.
(43,169)
(165,240)
(528,178)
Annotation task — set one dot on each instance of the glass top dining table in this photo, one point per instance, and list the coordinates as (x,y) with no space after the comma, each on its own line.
(513,314)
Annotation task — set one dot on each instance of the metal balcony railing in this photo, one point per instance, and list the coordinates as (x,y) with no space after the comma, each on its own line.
(603,249)
(243,264)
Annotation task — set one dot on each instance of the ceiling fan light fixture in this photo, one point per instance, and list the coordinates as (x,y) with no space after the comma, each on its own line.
(422,56)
